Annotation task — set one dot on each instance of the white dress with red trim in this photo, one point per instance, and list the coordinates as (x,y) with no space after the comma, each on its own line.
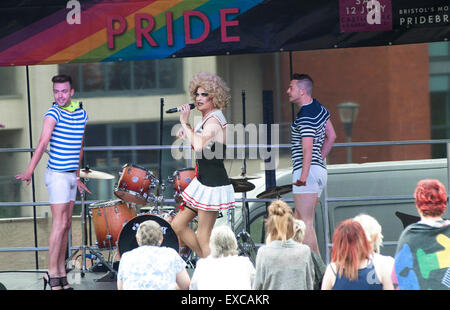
(211,189)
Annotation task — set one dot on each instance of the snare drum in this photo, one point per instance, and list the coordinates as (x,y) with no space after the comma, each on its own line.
(109,218)
(135,184)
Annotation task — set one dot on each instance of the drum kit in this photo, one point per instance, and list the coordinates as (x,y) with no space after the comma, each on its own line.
(116,221)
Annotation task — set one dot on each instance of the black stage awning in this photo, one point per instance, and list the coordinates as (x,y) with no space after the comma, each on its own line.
(49,32)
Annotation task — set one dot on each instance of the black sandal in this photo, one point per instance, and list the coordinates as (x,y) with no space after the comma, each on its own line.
(63,282)
(52,282)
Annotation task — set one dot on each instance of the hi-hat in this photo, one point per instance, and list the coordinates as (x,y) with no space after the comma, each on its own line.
(241,185)
(93,174)
(275,192)
(245,177)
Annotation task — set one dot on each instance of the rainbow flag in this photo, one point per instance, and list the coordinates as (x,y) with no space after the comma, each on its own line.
(96,31)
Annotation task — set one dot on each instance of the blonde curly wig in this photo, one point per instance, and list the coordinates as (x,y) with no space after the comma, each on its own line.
(217,89)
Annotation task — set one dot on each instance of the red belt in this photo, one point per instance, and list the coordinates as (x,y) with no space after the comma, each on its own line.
(181,206)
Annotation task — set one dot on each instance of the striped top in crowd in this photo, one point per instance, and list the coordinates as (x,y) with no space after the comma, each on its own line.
(310,122)
(66,139)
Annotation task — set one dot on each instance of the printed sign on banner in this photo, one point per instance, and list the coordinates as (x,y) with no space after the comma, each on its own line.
(365,15)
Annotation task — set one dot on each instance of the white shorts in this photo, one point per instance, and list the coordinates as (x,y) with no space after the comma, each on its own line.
(315,182)
(61,186)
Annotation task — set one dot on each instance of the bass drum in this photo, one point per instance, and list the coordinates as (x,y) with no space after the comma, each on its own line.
(127,238)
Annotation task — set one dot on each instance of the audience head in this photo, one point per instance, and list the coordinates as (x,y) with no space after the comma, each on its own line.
(149,233)
(280,223)
(222,242)
(431,198)
(350,248)
(372,229)
(299,230)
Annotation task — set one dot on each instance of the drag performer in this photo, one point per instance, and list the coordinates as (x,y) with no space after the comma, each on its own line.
(210,191)
(64,126)
(312,135)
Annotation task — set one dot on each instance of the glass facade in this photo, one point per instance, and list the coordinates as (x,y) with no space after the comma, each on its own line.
(122,78)
(439,94)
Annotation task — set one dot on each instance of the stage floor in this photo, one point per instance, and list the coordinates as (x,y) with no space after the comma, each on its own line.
(33,280)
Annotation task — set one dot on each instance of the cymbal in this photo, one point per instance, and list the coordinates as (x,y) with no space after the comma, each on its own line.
(275,192)
(245,177)
(93,174)
(241,185)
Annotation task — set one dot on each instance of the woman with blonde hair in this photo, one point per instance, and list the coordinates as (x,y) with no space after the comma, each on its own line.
(352,267)
(372,229)
(223,269)
(283,264)
(210,191)
(299,230)
(375,238)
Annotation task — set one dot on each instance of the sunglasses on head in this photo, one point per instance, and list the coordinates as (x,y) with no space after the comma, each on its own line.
(201,94)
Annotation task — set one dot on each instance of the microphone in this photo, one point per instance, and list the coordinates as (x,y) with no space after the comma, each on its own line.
(173,110)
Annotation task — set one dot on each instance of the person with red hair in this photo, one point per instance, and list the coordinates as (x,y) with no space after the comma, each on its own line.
(352,266)
(431,200)
(422,259)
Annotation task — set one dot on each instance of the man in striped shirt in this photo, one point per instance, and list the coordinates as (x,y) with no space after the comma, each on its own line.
(63,128)
(312,137)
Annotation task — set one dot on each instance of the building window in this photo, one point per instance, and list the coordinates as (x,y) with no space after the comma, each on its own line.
(439,82)
(130,77)
(8,81)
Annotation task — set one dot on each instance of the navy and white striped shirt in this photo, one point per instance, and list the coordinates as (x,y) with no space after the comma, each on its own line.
(66,139)
(310,122)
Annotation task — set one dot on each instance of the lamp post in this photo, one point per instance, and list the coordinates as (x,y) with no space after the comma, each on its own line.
(348,111)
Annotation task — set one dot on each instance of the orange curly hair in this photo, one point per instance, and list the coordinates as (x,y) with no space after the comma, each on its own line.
(431,197)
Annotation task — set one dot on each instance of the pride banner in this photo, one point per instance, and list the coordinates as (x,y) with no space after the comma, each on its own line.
(36,32)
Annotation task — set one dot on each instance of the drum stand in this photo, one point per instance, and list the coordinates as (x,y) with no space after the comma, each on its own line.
(245,242)
(84,247)
(189,258)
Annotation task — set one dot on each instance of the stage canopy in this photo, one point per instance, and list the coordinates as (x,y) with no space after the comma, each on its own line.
(36,32)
